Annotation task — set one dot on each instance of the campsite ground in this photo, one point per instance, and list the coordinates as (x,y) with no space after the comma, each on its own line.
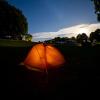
(79,76)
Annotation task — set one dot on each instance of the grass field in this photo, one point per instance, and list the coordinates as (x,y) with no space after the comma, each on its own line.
(78,76)
(15,43)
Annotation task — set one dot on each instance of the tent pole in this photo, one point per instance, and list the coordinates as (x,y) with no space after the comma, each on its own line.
(46,70)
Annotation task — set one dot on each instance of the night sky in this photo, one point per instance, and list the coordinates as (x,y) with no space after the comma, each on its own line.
(53,15)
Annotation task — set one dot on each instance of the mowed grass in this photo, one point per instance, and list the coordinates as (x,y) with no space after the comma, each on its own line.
(15,43)
(14,51)
(79,75)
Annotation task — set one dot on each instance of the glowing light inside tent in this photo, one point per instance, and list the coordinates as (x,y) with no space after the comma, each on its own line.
(43,57)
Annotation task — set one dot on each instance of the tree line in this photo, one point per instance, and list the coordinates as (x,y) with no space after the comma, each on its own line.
(94,37)
(83,39)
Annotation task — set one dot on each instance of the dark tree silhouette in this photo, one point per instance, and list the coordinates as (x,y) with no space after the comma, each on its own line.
(97,8)
(79,38)
(73,38)
(28,37)
(95,36)
(92,35)
(13,23)
(57,39)
(82,38)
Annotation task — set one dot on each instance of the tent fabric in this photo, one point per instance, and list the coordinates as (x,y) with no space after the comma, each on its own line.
(42,57)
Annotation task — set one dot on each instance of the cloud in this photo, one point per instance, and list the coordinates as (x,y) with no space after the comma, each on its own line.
(66,32)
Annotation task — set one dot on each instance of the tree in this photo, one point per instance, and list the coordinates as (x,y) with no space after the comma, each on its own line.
(82,38)
(73,38)
(97,8)
(92,35)
(57,39)
(28,37)
(79,38)
(13,23)
(95,36)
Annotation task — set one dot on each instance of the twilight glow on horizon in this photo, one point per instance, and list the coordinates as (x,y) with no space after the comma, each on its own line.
(67,32)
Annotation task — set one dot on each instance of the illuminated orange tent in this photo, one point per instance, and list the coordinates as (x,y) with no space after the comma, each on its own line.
(43,57)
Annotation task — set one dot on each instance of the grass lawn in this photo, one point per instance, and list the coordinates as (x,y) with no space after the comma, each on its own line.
(79,76)
(15,43)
